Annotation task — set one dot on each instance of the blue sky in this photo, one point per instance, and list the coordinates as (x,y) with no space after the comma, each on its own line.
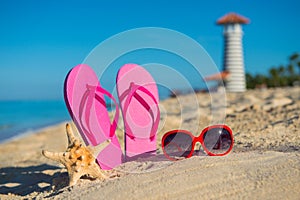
(42,40)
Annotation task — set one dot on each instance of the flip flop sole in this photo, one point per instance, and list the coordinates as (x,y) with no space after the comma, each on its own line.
(90,114)
(140,112)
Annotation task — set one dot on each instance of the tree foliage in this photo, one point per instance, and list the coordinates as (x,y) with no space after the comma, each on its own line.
(280,76)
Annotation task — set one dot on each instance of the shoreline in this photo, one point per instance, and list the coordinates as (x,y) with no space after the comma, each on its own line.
(27,116)
(32,131)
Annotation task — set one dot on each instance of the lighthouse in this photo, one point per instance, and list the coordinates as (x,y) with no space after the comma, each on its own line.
(233,63)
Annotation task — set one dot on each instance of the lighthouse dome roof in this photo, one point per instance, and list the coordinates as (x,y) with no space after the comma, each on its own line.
(232,18)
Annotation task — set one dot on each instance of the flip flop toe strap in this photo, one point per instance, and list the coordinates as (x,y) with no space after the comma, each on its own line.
(114,123)
(132,92)
(87,101)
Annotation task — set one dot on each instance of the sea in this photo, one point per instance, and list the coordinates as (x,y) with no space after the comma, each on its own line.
(18,118)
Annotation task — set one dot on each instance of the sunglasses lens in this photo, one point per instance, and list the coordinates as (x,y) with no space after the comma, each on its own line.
(217,140)
(178,145)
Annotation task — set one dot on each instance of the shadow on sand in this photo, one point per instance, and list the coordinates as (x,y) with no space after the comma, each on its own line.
(25,180)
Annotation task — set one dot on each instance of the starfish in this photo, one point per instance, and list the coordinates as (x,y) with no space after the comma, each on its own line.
(79,160)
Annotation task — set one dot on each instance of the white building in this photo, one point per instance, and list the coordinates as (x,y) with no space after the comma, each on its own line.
(233,63)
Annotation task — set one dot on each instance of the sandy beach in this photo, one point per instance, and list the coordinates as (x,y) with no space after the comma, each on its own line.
(264,163)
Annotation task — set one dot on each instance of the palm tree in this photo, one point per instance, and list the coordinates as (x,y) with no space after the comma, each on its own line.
(274,76)
(291,70)
(294,60)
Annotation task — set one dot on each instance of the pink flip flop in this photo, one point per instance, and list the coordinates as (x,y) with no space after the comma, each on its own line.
(85,100)
(138,98)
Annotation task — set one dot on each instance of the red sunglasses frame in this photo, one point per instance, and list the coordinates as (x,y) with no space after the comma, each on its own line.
(198,139)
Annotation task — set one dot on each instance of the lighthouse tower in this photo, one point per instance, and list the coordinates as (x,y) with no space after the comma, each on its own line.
(233,51)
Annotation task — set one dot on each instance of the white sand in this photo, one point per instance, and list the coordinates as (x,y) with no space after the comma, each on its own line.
(265,162)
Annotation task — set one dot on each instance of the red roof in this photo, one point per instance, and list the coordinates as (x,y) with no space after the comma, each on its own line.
(215,77)
(233,18)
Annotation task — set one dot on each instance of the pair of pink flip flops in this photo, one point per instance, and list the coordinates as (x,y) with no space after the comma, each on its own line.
(138,99)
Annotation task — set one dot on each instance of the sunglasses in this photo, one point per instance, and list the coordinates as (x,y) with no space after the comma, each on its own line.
(216,140)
